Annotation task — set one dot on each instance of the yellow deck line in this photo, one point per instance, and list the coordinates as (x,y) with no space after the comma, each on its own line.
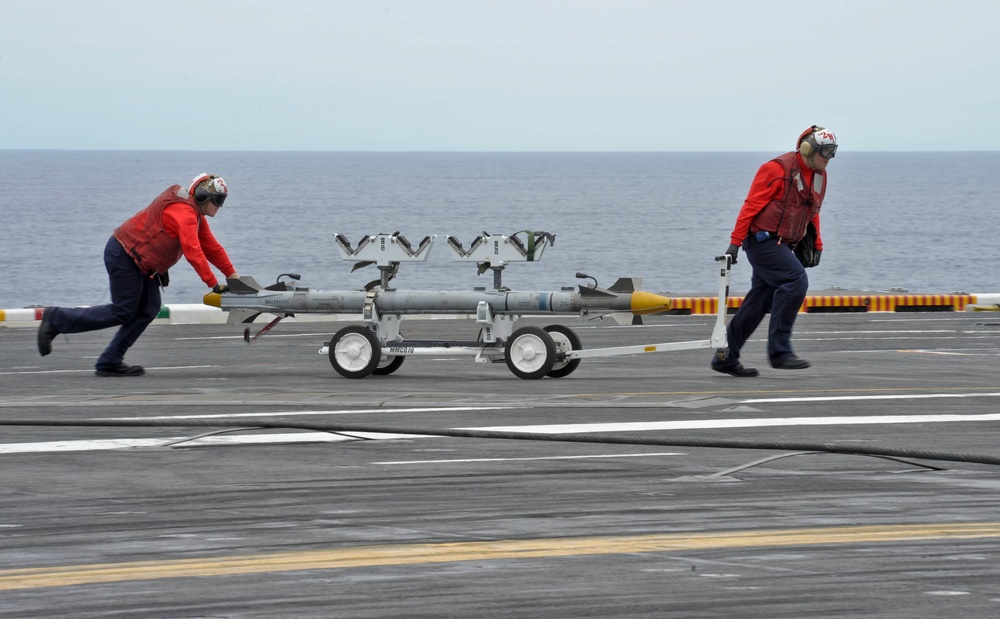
(410,554)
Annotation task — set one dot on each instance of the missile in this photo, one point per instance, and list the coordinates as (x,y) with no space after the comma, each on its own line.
(246,298)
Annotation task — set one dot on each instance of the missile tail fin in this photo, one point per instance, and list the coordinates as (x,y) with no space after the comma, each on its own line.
(244,284)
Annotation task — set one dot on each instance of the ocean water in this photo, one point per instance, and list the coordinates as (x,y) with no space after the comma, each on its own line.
(921,222)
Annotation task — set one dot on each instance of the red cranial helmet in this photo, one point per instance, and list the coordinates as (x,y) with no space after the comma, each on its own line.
(207,186)
(819,140)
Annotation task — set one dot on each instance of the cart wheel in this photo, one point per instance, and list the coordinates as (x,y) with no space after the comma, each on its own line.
(530,353)
(387,364)
(565,340)
(355,352)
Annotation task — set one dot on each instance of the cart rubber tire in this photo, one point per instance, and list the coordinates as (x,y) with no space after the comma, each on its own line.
(530,353)
(355,352)
(565,340)
(388,364)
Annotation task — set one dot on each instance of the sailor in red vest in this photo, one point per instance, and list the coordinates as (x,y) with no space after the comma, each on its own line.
(784,198)
(137,257)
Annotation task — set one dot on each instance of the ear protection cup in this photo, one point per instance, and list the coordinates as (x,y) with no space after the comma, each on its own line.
(194,189)
(805,145)
(201,193)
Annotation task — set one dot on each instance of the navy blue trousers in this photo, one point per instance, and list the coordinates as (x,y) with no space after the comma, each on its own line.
(135,302)
(778,285)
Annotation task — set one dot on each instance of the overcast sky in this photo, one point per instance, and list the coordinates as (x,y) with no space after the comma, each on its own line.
(510,75)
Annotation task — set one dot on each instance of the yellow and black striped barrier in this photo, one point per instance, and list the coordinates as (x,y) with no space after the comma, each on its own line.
(829,303)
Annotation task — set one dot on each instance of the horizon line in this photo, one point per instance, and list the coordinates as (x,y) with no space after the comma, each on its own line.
(450,151)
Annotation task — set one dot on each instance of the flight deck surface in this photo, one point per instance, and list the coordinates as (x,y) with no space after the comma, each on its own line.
(119,520)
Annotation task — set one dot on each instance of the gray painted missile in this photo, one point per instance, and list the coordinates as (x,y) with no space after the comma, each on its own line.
(247,295)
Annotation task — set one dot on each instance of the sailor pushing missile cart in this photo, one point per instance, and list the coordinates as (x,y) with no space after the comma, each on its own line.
(377,347)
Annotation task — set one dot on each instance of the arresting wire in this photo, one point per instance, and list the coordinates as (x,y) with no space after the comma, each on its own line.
(578,437)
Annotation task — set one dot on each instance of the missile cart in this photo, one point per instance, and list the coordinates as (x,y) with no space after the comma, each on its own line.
(377,346)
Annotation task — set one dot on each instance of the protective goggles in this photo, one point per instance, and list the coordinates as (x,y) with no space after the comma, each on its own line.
(218,198)
(827,151)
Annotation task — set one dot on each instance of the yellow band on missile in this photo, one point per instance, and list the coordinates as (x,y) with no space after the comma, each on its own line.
(649,303)
(213,298)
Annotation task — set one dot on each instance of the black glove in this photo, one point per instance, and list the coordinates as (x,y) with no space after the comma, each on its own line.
(732,252)
(815,261)
(220,288)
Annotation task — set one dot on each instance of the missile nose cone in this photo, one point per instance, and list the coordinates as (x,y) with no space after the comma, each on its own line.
(213,298)
(649,303)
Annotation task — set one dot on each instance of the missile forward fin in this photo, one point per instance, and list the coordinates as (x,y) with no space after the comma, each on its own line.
(625,319)
(626,284)
(588,292)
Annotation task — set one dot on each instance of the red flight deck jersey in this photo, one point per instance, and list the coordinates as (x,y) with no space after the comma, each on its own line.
(768,186)
(197,242)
